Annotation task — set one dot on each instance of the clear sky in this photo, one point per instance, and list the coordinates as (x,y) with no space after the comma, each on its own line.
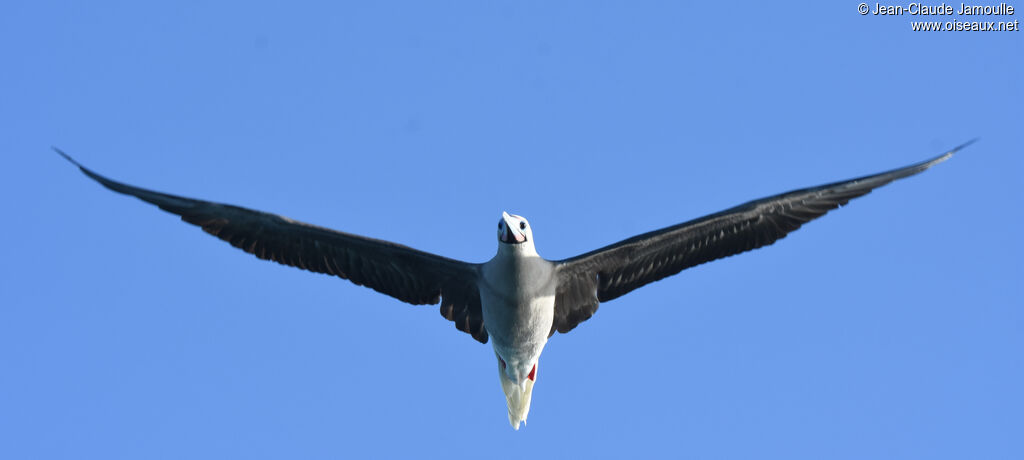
(891,328)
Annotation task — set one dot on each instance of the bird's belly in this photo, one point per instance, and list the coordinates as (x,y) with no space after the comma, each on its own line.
(518,324)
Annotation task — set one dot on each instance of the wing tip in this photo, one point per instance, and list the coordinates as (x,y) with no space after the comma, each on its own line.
(86,171)
(947,155)
(113,185)
(962,146)
(67,157)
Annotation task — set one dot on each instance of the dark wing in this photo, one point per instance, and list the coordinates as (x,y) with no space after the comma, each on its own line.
(609,272)
(401,272)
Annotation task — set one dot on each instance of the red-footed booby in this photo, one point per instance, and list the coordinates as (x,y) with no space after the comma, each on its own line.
(517,299)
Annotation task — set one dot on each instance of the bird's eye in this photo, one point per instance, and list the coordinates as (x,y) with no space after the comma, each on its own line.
(522,225)
(500,225)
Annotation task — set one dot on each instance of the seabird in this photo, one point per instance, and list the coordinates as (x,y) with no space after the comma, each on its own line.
(517,299)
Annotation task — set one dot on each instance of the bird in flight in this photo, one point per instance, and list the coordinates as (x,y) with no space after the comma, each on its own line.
(517,299)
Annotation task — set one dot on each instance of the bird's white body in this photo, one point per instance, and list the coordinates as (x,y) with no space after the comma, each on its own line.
(517,296)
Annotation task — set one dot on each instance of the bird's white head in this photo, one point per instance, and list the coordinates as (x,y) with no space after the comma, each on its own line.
(515,231)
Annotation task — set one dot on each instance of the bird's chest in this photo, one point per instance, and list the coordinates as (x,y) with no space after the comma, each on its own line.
(518,300)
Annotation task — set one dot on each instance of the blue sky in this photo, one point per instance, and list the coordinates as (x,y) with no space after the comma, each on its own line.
(892,328)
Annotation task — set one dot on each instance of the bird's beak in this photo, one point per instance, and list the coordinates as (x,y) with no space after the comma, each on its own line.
(517,396)
(512,236)
(512,233)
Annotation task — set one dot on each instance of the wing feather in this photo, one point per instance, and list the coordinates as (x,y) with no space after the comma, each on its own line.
(401,272)
(612,271)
